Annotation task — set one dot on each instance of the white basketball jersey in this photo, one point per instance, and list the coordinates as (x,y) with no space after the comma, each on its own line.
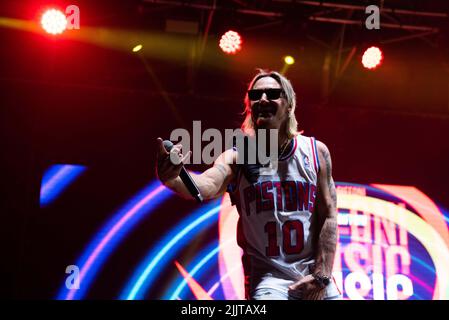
(276,225)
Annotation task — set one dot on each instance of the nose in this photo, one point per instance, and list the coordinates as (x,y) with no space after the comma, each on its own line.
(264,97)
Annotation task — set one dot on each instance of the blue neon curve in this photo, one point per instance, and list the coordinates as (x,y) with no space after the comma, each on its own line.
(145,210)
(56,179)
(144,275)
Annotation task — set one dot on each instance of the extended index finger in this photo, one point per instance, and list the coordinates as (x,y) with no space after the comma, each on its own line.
(161,149)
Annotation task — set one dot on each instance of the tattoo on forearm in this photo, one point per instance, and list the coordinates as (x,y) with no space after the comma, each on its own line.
(330,180)
(327,245)
(327,158)
(333,193)
(328,236)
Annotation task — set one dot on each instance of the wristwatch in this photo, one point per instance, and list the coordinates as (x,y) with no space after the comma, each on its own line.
(322,281)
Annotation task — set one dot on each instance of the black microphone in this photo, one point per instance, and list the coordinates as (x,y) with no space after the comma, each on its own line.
(185,176)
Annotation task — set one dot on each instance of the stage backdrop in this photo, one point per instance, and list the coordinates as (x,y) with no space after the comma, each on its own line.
(151,244)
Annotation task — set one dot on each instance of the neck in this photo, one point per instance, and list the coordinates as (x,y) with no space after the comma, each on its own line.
(282,138)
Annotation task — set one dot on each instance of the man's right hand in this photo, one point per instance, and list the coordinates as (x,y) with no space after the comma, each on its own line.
(212,183)
(166,170)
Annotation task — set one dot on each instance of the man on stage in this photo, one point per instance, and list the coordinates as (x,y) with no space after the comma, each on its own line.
(288,220)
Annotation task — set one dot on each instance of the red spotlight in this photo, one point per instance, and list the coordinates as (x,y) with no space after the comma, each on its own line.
(231,42)
(54,21)
(372,58)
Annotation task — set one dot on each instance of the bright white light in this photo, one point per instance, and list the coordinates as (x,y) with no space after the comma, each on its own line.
(231,42)
(372,58)
(54,21)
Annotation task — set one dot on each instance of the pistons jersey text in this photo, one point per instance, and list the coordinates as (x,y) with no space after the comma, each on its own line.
(276,226)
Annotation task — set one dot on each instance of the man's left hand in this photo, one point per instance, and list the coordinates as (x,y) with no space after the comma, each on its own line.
(308,288)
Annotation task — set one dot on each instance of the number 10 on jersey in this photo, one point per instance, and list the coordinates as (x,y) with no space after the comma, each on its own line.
(289,246)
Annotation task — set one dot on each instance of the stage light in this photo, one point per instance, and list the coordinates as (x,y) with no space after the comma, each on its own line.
(137,48)
(372,58)
(231,42)
(54,21)
(289,60)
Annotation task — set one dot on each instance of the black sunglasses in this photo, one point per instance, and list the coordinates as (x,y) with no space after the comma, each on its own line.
(272,94)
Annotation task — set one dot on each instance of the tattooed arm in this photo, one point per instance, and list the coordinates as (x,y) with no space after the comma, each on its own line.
(327,212)
(326,209)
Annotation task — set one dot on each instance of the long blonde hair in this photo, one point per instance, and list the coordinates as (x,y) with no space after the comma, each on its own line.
(289,94)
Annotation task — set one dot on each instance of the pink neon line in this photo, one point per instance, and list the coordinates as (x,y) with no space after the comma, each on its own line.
(225,276)
(421,283)
(111,234)
(197,289)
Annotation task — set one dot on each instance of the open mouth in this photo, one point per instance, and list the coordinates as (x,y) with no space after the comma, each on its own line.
(265,111)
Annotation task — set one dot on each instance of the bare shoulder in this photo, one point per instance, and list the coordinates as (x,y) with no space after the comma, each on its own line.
(324,157)
(326,182)
(323,150)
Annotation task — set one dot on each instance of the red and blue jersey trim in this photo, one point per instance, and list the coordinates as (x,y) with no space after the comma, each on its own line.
(292,150)
(316,160)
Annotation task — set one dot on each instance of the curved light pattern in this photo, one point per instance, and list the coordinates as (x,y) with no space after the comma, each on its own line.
(112,233)
(372,58)
(56,179)
(446,216)
(197,289)
(425,208)
(231,254)
(423,264)
(424,285)
(413,258)
(143,277)
(205,257)
(229,217)
(54,21)
(422,231)
(230,268)
(423,205)
(222,280)
(231,42)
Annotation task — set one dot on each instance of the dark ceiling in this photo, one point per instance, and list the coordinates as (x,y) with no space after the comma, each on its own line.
(416,61)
